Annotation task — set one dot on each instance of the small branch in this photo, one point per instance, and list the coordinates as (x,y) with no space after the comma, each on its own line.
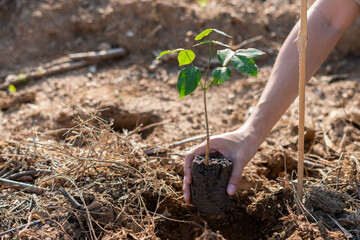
(175,144)
(16,98)
(246,42)
(21,227)
(22,78)
(338,176)
(25,186)
(28,172)
(98,56)
(15,169)
(347,234)
(152,125)
(73,202)
(71,62)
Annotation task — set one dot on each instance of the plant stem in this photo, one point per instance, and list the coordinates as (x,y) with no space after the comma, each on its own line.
(207,131)
(205,108)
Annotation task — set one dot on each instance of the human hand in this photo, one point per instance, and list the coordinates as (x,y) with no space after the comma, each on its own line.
(239,146)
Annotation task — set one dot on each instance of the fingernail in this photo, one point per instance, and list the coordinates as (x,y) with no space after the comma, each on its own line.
(231,189)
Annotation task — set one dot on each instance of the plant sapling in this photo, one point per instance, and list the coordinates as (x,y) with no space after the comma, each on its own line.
(211,173)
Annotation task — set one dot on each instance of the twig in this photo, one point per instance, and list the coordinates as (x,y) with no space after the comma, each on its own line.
(247,41)
(73,61)
(175,144)
(15,169)
(338,176)
(152,125)
(357,187)
(28,172)
(17,98)
(301,44)
(98,56)
(21,227)
(17,80)
(26,186)
(174,220)
(92,231)
(108,161)
(348,235)
(71,199)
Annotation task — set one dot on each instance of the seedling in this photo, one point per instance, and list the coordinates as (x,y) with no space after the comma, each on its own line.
(190,77)
(209,181)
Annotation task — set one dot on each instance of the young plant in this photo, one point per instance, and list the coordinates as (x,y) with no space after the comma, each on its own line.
(190,77)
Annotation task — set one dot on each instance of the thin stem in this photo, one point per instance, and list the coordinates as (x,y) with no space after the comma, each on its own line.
(207,131)
(205,107)
(209,84)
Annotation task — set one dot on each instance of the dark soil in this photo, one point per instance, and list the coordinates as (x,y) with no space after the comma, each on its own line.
(208,186)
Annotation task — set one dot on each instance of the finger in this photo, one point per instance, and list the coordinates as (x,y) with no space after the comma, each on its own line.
(186,190)
(187,168)
(189,159)
(234,180)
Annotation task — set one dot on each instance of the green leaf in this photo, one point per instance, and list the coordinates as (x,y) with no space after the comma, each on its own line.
(225,55)
(22,77)
(221,33)
(202,3)
(212,41)
(208,31)
(188,81)
(249,53)
(11,88)
(221,75)
(244,65)
(186,57)
(203,34)
(168,51)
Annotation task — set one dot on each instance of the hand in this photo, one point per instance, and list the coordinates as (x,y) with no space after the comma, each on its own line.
(240,146)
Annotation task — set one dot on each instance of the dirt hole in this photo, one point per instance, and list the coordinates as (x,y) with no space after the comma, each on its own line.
(122,120)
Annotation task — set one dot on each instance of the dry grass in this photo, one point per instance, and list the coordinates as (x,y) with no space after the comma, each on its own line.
(105,175)
(99,184)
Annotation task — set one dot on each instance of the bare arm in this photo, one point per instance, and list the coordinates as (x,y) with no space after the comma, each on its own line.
(327,21)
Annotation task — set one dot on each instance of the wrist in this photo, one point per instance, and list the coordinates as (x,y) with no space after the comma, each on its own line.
(258,125)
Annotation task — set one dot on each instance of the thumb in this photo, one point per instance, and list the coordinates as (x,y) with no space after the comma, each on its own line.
(234,180)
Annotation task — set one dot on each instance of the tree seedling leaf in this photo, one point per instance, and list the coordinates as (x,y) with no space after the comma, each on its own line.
(203,34)
(244,65)
(221,33)
(212,41)
(221,75)
(186,57)
(249,53)
(224,56)
(188,81)
(168,51)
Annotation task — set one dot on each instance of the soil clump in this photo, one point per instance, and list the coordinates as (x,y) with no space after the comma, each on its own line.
(208,186)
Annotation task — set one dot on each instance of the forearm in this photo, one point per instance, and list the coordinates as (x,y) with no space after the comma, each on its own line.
(282,87)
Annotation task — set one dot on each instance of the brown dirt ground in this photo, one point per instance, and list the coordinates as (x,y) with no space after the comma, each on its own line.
(127,194)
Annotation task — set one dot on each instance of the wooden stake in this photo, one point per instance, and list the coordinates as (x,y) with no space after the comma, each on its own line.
(301,45)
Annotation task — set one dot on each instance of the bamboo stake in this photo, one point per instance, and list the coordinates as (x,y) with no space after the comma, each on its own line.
(301,45)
